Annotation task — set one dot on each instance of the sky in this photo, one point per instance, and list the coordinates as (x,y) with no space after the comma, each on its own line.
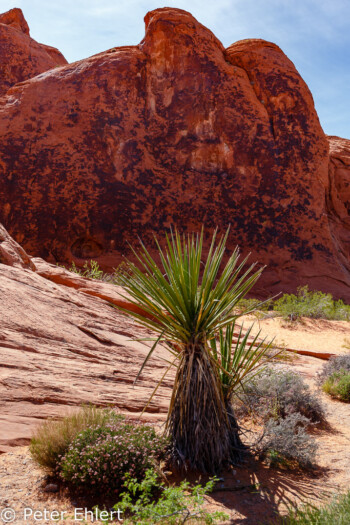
(314,34)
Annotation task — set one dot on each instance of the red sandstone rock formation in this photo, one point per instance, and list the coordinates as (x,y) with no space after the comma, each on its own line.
(338,198)
(21,57)
(174,131)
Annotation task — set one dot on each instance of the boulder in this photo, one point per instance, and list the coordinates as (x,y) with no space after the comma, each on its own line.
(11,253)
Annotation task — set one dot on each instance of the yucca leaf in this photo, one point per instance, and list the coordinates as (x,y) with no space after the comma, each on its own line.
(148,356)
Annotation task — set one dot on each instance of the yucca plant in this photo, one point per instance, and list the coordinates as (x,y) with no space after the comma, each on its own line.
(238,355)
(186,300)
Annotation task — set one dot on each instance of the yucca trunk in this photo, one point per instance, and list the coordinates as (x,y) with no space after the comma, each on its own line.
(203,431)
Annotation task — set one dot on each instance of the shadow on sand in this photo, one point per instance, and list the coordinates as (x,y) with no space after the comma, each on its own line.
(255,494)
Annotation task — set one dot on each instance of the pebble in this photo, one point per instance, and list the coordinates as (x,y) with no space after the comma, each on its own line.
(51,487)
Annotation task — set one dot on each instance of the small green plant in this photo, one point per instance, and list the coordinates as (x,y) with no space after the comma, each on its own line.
(99,459)
(254,305)
(237,358)
(91,270)
(151,501)
(313,304)
(336,512)
(251,304)
(338,385)
(53,437)
(275,458)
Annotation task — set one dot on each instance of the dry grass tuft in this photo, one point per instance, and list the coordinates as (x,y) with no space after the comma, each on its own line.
(52,438)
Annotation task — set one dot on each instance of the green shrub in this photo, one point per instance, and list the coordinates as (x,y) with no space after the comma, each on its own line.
(286,442)
(99,459)
(174,505)
(276,394)
(337,513)
(282,402)
(238,359)
(335,364)
(254,304)
(92,270)
(314,304)
(338,385)
(334,377)
(52,438)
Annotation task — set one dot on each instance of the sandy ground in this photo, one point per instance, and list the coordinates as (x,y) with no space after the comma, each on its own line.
(252,494)
(318,335)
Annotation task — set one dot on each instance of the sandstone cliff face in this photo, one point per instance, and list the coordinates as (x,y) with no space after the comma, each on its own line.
(21,57)
(338,198)
(174,131)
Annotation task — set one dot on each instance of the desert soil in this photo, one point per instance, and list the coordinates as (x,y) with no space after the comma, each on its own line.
(22,483)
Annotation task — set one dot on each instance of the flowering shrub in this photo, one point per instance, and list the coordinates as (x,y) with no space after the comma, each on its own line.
(52,438)
(98,460)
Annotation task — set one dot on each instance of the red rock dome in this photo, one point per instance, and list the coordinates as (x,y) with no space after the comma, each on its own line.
(175,131)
